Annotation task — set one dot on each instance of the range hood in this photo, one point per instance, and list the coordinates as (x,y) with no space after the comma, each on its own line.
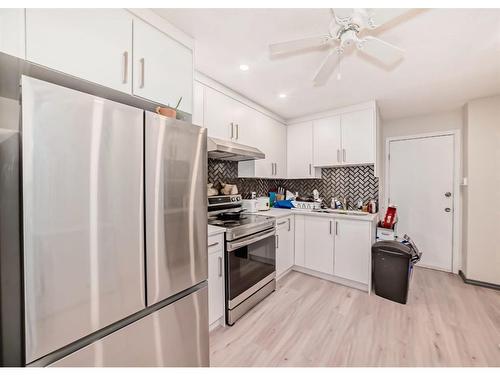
(232,151)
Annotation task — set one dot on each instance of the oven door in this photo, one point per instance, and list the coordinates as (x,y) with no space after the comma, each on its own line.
(250,264)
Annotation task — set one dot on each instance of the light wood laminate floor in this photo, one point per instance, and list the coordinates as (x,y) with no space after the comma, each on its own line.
(313,322)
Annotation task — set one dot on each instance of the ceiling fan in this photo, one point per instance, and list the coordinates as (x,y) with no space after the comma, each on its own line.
(345,30)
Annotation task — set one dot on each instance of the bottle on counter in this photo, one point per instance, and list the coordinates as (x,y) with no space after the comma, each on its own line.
(372,206)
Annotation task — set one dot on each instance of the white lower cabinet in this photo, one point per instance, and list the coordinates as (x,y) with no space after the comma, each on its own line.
(338,249)
(353,241)
(299,235)
(319,244)
(215,279)
(284,245)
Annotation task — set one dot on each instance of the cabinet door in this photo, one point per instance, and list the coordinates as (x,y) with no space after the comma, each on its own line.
(327,141)
(215,287)
(352,250)
(245,124)
(12,32)
(299,151)
(218,114)
(284,245)
(93,44)
(262,138)
(319,244)
(299,243)
(358,137)
(279,144)
(163,68)
(198,103)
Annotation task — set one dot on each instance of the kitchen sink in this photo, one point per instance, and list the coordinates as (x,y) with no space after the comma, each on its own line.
(341,212)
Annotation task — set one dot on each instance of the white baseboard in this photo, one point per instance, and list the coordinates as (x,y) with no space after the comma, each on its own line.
(335,279)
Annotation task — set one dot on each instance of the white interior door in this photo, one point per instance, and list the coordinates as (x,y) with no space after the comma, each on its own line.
(421,186)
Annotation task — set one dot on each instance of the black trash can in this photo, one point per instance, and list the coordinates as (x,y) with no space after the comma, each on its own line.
(392,265)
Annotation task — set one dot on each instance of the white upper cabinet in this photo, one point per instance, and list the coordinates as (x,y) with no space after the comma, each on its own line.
(163,67)
(218,115)
(319,244)
(12,35)
(245,121)
(327,141)
(269,136)
(358,137)
(353,241)
(345,139)
(300,151)
(93,44)
(198,103)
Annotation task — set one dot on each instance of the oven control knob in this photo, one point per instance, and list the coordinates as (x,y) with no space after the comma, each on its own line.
(233,199)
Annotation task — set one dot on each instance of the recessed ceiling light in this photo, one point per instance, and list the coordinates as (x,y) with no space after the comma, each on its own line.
(282,95)
(244,67)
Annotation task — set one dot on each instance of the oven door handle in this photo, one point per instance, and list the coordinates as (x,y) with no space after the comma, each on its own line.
(231,246)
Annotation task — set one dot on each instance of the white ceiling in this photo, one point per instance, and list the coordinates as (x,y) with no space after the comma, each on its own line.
(452,55)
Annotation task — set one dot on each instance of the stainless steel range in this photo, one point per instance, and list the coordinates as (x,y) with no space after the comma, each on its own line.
(250,254)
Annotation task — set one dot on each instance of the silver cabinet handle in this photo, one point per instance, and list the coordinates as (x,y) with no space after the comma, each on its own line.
(277,241)
(213,244)
(338,156)
(330,227)
(232,130)
(143,63)
(283,222)
(343,154)
(275,169)
(310,169)
(447,194)
(447,209)
(220,266)
(272,169)
(125,66)
(237,131)
(336,228)
(289,224)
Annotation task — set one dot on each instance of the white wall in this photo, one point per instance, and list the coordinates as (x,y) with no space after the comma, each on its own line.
(482,195)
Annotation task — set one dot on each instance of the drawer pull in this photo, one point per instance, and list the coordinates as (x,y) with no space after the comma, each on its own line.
(213,244)
(220,266)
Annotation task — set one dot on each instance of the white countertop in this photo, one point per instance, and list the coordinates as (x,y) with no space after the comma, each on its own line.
(213,230)
(281,212)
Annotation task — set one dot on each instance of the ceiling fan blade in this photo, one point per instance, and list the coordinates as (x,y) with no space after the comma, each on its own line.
(380,16)
(384,52)
(295,45)
(326,69)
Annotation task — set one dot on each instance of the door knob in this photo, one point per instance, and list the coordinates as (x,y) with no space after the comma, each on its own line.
(447,209)
(447,194)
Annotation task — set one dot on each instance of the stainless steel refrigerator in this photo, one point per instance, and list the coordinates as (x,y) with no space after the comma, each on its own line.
(114,233)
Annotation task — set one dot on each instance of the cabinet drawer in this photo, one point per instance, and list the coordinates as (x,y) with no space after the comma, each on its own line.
(215,243)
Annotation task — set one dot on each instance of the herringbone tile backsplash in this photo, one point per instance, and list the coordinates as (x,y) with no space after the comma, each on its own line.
(349,182)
